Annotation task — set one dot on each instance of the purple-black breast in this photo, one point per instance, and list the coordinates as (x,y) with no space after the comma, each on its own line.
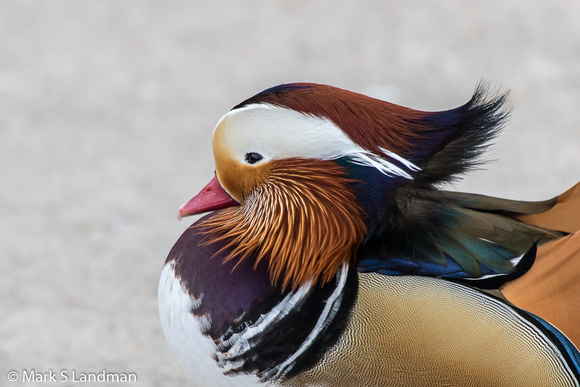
(229,295)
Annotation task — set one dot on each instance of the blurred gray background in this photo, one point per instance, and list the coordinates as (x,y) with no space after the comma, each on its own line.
(106,114)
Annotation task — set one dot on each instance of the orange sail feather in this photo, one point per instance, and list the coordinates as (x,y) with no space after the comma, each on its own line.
(551,288)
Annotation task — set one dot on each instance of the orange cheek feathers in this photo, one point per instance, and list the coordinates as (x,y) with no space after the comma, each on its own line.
(301,217)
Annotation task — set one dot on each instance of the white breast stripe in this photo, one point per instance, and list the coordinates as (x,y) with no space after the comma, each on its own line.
(332,305)
(183,332)
(241,342)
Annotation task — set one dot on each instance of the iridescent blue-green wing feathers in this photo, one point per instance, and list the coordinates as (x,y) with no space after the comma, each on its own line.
(456,236)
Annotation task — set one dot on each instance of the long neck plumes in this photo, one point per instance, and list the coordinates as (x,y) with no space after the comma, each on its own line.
(303,220)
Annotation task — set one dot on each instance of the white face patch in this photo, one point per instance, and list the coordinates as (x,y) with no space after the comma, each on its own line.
(277,133)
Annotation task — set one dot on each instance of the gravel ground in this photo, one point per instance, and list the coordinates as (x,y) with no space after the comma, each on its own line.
(106,114)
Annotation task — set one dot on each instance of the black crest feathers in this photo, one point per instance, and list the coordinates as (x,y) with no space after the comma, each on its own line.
(467,132)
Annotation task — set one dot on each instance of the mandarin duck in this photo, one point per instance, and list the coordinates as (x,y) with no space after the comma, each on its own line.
(332,256)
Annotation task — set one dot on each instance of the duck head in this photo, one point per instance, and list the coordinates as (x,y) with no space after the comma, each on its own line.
(305,175)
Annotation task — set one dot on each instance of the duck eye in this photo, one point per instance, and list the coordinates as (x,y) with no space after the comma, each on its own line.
(253,157)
